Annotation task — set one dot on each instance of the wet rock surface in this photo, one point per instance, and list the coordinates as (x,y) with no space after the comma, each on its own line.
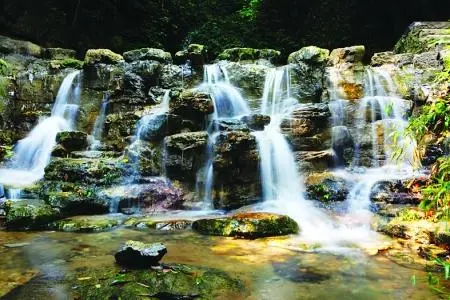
(247,225)
(174,281)
(136,254)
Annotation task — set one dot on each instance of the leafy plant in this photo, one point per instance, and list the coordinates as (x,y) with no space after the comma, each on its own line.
(437,193)
(3,67)
(250,10)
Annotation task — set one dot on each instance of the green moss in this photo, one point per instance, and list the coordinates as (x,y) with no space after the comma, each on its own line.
(174,281)
(140,222)
(243,54)
(86,224)
(250,225)
(410,215)
(105,56)
(67,63)
(26,215)
(310,54)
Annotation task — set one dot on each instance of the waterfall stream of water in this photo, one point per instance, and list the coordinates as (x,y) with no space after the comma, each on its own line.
(228,104)
(32,154)
(99,124)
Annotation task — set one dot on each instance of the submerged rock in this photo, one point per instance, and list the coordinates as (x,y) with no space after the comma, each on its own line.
(174,281)
(85,224)
(247,225)
(139,255)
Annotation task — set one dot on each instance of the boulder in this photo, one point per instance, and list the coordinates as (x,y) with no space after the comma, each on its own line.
(118,128)
(89,171)
(237,179)
(148,54)
(256,121)
(59,53)
(394,192)
(156,195)
(247,225)
(353,54)
(307,127)
(197,55)
(328,190)
(185,154)
(192,105)
(29,214)
(250,77)
(310,55)
(148,70)
(249,54)
(82,200)
(102,56)
(309,161)
(383,58)
(136,254)
(72,140)
(11,46)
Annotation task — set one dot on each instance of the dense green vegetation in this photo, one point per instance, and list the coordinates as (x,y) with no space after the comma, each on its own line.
(286,25)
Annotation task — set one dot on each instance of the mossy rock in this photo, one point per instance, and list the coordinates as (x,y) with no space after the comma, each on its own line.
(309,55)
(248,225)
(353,54)
(249,54)
(72,140)
(85,201)
(423,36)
(66,63)
(151,223)
(29,215)
(148,54)
(103,56)
(86,224)
(192,105)
(11,46)
(60,53)
(174,281)
(81,170)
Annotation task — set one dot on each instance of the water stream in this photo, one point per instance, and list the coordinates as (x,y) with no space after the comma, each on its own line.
(228,104)
(99,124)
(32,154)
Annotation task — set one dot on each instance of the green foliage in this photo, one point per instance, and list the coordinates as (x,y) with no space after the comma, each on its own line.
(409,215)
(250,10)
(3,67)
(437,193)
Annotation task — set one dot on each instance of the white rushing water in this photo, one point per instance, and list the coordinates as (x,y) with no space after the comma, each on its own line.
(32,154)
(228,104)
(99,124)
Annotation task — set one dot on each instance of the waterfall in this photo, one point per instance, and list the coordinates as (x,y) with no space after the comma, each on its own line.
(32,154)
(378,115)
(228,104)
(99,124)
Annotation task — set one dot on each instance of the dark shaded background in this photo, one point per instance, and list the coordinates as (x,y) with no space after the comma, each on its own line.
(286,25)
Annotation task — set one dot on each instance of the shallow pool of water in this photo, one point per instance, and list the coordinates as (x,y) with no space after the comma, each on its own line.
(36,265)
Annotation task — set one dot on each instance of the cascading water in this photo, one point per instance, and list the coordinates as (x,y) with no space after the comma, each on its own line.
(228,104)
(379,115)
(281,181)
(97,131)
(32,154)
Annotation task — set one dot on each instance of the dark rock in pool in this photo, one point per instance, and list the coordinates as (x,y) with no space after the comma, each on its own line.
(139,255)
(248,225)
